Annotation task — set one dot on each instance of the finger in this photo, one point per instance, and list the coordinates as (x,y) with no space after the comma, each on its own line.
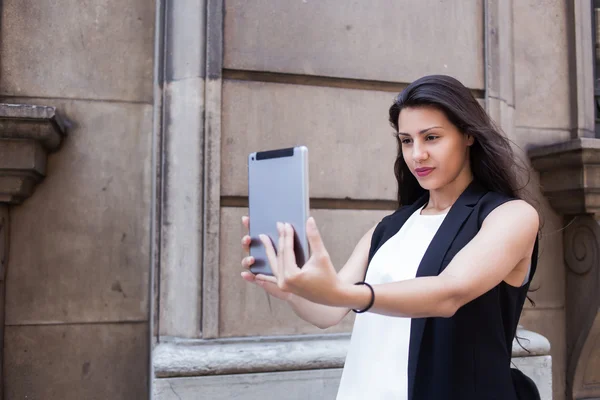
(246,240)
(280,254)
(266,278)
(249,276)
(270,287)
(271,256)
(247,262)
(289,257)
(314,237)
(246,222)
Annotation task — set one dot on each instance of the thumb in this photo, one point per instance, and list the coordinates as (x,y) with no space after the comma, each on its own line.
(314,237)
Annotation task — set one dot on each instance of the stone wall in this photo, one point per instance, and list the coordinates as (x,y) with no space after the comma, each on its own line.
(331,91)
(240,76)
(321,74)
(77,306)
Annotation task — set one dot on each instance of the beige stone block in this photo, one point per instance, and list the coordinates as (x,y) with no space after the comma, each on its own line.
(528,137)
(541,64)
(245,309)
(73,362)
(80,245)
(78,49)
(383,40)
(293,385)
(551,324)
(351,145)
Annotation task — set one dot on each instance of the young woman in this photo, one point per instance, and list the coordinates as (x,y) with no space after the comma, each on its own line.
(444,278)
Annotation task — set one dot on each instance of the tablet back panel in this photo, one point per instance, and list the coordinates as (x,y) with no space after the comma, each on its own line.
(277,191)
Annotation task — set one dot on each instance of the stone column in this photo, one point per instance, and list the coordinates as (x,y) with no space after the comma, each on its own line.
(182,141)
(499,64)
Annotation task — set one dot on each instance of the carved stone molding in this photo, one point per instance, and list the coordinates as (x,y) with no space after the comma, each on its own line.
(581,245)
(582,248)
(570,175)
(177,358)
(27,134)
(570,180)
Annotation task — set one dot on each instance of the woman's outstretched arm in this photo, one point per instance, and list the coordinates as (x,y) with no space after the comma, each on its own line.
(320,315)
(503,246)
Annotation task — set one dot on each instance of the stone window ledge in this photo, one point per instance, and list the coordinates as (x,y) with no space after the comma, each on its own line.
(181,358)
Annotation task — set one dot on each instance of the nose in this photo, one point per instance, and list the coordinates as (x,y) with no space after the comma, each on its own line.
(419,152)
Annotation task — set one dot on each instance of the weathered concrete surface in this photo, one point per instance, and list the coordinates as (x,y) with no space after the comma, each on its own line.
(541,64)
(245,309)
(278,363)
(79,247)
(222,357)
(95,362)
(351,146)
(384,40)
(100,49)
(295,385)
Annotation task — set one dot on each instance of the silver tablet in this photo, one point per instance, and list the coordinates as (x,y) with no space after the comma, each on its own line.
(277,191)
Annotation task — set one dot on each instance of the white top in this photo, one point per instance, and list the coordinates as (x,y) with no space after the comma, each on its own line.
(377,361)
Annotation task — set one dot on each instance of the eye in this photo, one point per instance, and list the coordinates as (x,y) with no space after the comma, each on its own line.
(405,140)
(431,137)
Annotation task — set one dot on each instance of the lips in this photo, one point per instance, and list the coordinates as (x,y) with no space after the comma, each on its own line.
(423,171)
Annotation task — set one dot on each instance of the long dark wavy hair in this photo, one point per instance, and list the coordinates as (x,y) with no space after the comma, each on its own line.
(492,158)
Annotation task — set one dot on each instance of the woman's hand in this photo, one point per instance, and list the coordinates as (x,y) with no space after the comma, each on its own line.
(316,281)
(269,286)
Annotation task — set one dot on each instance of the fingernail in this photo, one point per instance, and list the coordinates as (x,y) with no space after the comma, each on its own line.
(279,226)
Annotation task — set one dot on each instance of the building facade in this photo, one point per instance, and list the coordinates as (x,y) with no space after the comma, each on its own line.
(122,256)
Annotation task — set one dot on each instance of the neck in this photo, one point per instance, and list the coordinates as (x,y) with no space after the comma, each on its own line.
(442,199)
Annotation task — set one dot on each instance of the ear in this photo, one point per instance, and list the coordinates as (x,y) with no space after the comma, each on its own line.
(470,140)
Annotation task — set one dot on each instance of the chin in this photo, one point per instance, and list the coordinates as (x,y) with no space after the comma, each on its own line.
(430,184)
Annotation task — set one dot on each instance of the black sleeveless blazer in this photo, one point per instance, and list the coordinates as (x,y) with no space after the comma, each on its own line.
(466,356)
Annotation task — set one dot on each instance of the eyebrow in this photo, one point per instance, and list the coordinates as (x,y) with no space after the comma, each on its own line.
(422,131)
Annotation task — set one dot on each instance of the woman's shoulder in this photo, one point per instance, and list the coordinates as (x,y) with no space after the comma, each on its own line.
(504,205)
(501,203)
(492,200)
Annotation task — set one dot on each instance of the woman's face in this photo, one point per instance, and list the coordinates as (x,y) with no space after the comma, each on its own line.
(434,150)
